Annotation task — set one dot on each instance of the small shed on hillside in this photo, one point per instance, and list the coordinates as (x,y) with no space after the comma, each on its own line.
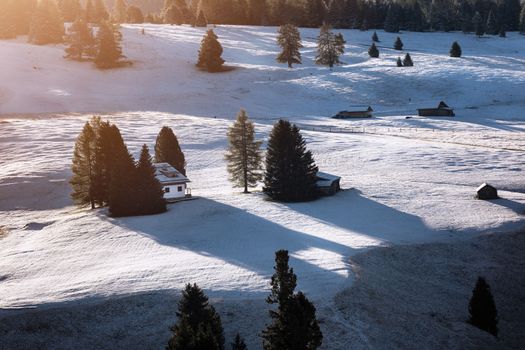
(486,191)
(328,184)
(442,110)
(174,183)
(355,112)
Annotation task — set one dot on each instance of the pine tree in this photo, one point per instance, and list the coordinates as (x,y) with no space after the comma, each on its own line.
(315,13)
(47,26)
(109,147)
(199,326)
(392,19)
(134,15)
(81,41)
(492,25)
(455,50)
(7,20)
(407,61)
(375,38)
(123,188)
(289,40)
(151,195)
(479,27)
(83,168)
(244,154)
(201,20)
(290,169)
(482,309)
(89,13)
(23,14)
(172,15)
(99,11)
(120,11)
(398,44)
(168,150)
(399,63)
(294,324)
(373,51)
(238,343)
(109,51)
(330,47)
(210,53)
(70,9)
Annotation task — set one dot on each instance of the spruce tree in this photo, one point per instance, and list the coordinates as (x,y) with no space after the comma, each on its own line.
(238,343)
(399,63)
(109,147)
(120,11)
(482,309)
(123,188)
(151,194)
(398,44)
(289,40)
(375,38)
(199,326)
(83,168)
(294,324)
(407,61)
(373,51)
(210,53)
(492,25)
(455,50)
(47,26)
(168,150)
(70,9)
(392,19)
(290,169)
(330,47)
(134,15)
(478,24)
(201,20)
(99,11)
(81,41)
(244,153)
(109,51)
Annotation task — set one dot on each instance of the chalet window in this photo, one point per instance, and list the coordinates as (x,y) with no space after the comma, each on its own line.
(179,188)
(166,190)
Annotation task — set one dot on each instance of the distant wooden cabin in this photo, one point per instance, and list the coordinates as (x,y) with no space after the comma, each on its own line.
(357,112)
(328,184)
(174,183)
(486,191)
(442,110)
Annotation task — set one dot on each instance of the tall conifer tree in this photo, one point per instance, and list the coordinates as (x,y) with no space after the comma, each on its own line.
(81,41)
(290,169)
(289,39)
(47,26)
(244,154)
(83,168)
(210,53)
(330,47)
(150,193)
(109,51)
(294,324)
(168,150)
(120,11)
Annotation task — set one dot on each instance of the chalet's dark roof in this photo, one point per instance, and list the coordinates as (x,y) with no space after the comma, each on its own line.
(485,186)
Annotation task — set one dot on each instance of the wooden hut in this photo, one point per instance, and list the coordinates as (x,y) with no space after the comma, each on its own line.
(442,110)
(486,191)
(327,184)
(356,112)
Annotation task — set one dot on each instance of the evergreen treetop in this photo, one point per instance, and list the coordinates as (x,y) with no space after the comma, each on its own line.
(373,51)
(455,50)
(398,44)
(168,150)
(210,53)
(407,61)
(109,52)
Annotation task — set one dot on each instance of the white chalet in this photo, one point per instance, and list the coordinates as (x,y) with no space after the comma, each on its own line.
(174,183)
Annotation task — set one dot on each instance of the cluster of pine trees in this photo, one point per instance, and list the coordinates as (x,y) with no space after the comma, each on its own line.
(106,174)
(294,324)
(290,174)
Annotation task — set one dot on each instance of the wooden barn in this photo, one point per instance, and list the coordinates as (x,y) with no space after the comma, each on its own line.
(328,184)
(356,112)
(174,183)
(486,191)
(442,110)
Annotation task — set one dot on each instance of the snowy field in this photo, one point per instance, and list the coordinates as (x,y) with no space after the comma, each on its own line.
(405,181)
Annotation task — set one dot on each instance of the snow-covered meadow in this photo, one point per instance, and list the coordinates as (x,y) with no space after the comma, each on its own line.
(405,180)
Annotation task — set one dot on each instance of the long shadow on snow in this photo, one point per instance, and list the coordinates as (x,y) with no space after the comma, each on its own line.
(350,210)
(210,228)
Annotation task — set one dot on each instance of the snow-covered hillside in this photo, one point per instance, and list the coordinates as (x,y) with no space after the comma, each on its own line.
(405,180)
